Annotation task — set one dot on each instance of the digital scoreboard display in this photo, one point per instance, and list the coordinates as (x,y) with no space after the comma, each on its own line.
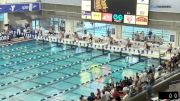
(114,6)
(120,11)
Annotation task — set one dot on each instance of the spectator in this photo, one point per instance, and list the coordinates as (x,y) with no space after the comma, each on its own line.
(147,46)
(125,81)
(76,36)
(91,97)
(111,40)
(129,43)
(142,77)
(151,78)
(138,84)
(121,85)
(97,99)
(169,48)
(160,67)
(116,94)
(103,97)
(132,90)
(148,89)
(130,81)
(108,95)
(150,34)
(98,93)
(136,79)
(126,91)
(111,81)
(90,37)
(133,36)
(82,98)
(18,32)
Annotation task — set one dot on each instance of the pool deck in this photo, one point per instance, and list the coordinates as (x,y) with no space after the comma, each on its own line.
(114,48)
(13,41)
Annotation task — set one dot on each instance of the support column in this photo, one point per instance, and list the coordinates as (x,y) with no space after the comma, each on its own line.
(118,32)
(6,21)
(177,43)
(69,25)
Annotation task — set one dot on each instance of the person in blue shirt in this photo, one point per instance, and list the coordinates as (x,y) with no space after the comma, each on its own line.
(150,34)
(91,97)
(148,89)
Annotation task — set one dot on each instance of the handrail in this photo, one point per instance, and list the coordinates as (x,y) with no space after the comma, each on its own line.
(174,82)
(158,82)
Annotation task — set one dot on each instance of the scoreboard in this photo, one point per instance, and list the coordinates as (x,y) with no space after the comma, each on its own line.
(119,11)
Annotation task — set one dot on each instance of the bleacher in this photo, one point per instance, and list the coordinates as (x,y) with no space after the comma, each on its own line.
(127,32)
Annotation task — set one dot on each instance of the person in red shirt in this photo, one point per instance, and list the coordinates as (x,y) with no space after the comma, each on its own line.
(116,94)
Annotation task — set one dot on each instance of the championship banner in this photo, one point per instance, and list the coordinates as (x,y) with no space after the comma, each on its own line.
(20,7)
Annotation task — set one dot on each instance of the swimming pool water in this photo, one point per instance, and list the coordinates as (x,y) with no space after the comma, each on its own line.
(34,70)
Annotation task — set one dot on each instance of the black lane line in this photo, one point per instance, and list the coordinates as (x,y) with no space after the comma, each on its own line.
(55,80)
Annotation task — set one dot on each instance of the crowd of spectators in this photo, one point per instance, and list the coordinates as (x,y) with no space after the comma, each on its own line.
(17,31)
(150,37)
(172,64)
(130,86)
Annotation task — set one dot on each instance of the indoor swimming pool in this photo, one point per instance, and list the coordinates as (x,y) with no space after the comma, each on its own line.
(36,70)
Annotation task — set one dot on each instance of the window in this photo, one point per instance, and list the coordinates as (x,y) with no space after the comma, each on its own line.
(127,32)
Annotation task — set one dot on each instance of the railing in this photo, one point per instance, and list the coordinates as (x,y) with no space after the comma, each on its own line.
(158,81)
(8,36)
(174,82)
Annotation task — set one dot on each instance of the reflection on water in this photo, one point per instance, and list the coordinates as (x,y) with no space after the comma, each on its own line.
(78,50)
(128,73)
(94,72)
(54,49)
(85,77)
(131,59)
(64,47)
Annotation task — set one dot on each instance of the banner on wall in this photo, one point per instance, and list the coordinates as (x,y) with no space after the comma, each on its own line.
(86,15)
(118,17)
(129,19)
(86,6)
(107,17)
(96,15)
(142,10)
(20,7)
(165,6)
(141,20)
(36,6)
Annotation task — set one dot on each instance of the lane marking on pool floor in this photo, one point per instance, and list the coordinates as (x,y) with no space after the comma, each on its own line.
(18,48)
(78,85)
(11,44)
(12,50)
(48,71)
(37,57)
(26,53)
(41,64)
(53,81)
(7,45)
